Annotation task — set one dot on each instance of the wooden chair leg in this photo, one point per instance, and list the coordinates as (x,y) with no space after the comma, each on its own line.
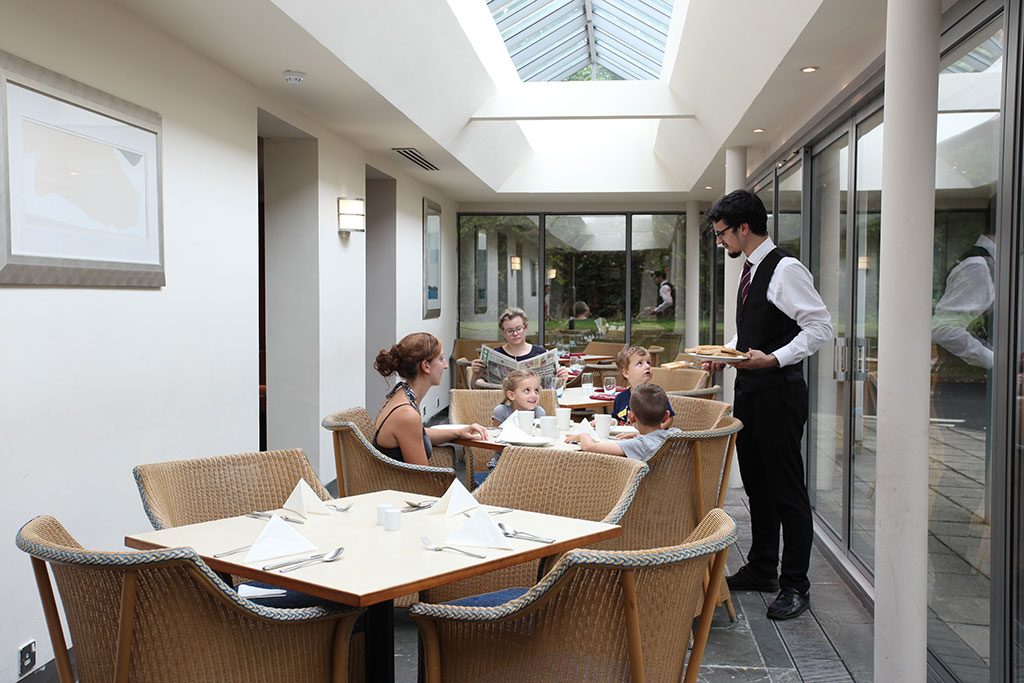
(60,646)
(125,627)
(636,655)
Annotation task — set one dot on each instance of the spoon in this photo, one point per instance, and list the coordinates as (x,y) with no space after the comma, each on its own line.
(526,536)
(332,556)
(340,508)
(438,548)
(421,505)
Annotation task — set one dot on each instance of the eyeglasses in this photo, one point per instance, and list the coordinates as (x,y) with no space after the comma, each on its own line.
(718,233)
(514,330)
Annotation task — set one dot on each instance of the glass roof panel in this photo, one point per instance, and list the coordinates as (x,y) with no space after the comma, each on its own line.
(552,40)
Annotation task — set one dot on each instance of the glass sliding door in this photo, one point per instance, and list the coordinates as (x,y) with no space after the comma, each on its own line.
(790,208)
(657,283)
(828,368)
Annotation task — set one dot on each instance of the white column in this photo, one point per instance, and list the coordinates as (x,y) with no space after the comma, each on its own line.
(692,272)
(904,324)
(735,179)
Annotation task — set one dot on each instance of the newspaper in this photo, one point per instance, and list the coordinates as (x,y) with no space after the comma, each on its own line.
(498,365)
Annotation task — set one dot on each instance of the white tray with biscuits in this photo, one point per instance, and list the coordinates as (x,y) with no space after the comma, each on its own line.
(717,353)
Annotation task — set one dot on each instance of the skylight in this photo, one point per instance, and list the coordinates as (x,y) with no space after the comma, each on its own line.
(562,40)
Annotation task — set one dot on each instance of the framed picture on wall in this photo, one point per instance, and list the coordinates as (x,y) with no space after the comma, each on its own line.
(431,259)
(79,184)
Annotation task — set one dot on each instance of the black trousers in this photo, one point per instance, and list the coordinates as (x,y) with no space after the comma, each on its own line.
(768,449)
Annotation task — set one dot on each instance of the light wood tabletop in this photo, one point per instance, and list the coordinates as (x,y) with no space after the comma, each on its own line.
(576,397)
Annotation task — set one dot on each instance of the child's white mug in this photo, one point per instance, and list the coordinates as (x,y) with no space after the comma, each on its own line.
(602,425)
(564,417)
(525,419)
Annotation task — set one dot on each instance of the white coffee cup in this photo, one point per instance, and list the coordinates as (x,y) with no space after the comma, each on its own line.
(564,417)
(525,420)
(602,425)
(392,519)
(382,509)
(549,426)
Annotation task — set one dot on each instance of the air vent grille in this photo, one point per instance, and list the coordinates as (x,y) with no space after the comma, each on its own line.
(414,155)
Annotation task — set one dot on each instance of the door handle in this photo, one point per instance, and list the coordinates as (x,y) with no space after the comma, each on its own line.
(839,359)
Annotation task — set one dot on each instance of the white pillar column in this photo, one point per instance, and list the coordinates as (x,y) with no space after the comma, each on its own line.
(735,179)
(904,324)
(692,273)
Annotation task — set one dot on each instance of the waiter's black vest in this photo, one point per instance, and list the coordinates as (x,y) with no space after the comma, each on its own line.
(762,326)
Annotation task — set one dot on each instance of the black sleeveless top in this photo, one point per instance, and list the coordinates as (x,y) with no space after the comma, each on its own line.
(761,325)
(395,452)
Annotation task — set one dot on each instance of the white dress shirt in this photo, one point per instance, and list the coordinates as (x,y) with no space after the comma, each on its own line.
(792,291)
(970,293)
(665,292)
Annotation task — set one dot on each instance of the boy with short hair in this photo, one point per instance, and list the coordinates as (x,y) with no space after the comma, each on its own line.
(647,412)
(635,365)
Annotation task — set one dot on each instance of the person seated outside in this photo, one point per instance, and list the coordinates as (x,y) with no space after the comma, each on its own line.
(635,365)
(514,326)
(580,317)
(522,392)
(648,414)
(420,362)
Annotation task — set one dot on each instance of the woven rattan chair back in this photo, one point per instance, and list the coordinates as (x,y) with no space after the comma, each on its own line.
(679,379)
(697,414)
(361,468)
(600,348)
(183,492)
(578,623)
(567,483)
(164,616)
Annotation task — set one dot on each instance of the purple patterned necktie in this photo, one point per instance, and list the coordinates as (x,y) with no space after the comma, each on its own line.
(745,282)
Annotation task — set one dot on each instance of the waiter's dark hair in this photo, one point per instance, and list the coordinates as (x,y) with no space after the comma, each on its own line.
(740,207)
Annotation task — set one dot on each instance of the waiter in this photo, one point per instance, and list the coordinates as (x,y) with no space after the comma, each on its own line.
(780,321)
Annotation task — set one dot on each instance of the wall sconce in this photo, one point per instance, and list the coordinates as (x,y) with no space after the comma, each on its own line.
(552,273)
(863,262)
(351,215)
(517,263)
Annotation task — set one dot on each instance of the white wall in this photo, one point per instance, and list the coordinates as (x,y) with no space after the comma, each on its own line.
(380,279)
(96,381)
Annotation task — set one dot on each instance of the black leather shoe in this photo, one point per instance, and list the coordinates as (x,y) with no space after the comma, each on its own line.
(746,580)
(788,604)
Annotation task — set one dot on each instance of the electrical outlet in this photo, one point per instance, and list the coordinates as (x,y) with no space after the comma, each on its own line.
(27,657)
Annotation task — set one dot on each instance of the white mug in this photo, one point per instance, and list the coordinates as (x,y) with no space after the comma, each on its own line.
(602,425)
(525,420)
(392,519)
(549,427)
(564,417)
(382,509)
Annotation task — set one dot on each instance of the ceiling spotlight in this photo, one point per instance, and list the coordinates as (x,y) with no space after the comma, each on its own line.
(708,187)
(810,69)
(759,130)
(293,77)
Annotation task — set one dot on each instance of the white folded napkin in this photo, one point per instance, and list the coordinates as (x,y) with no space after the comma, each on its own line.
(304,502)
(582,427)
(247,591)
(480,531)
(278,539)
(511,431)
(455,501)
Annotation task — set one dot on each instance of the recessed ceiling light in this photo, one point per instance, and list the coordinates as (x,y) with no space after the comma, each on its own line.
(810,69)
(759,130)
(708,187)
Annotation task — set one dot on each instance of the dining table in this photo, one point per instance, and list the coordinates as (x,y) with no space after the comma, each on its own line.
(377,565)
(579,398)
(494,442)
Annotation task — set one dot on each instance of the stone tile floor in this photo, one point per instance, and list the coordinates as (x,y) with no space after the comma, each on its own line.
(830,642)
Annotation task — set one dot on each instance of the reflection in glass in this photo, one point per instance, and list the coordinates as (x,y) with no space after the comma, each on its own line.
(487,281)
(964,258)
(766,191)
(658,281)
(790,201)
(587,254)
(829,187)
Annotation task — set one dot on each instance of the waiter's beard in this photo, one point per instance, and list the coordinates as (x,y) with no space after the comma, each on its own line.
(734,254)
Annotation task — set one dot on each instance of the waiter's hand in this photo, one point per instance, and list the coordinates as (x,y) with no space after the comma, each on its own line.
(712,366)
(758,360)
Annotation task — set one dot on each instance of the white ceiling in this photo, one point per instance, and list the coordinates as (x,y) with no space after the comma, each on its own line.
(393,73)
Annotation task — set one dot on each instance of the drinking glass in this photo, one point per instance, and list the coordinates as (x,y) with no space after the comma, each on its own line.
(587,382)
(609,385)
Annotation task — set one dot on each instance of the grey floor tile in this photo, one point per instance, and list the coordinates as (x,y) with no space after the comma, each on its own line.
(854,643)
(734,674)
(729,647)
(823,671)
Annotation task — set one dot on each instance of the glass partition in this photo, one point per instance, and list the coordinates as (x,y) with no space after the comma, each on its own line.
(790,200)
(496,270)
(585,258)
(658,298)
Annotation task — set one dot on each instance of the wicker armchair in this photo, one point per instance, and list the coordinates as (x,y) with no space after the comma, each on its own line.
(688,476)
(362,468)
(601,370)
(567,483)
(681,379)
(443,456)
(697,414)
(603,348)
(469,406)
(711,392)
(183,492)
(163,615)
(596,616)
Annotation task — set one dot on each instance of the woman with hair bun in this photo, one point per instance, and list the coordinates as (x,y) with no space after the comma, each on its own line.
(419,361)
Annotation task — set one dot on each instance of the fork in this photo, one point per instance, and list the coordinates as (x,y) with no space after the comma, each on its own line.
(509,532)
(267,515)
(413,506)
(340,508)
(429,545)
